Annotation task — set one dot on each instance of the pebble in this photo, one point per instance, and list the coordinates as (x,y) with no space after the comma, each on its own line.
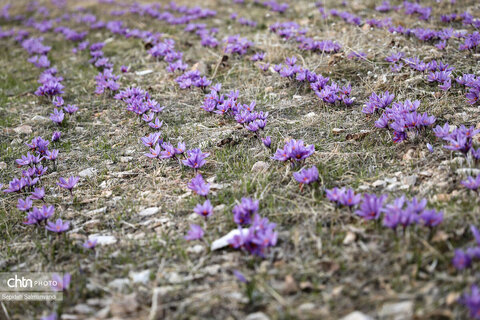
(257,316)
(397,311)
(149,212)
(260,166)
(87,173)
(357,315)
(25,129)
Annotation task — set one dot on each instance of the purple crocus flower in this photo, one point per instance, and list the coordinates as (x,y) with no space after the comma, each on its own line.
(349,198)
(472,301)
(267,141)
(154,152)
(60,283)
(306,176)
(371,206)
(24,205)
(68,184)
(58,227)
(431,218)
(205,210)
(51,155)
(157,124)
(90,244)
(195,233)
(195,158)
(471,183)
(240,276)
(44,212)
(243,212)
(56,136)
(52,316)
(335,194)
(38,194)
(151,139)
(199,186)
(461,260)
(57,116)
(70,108)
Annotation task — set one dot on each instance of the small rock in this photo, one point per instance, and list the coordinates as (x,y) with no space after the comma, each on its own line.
(91,224)
(408,155)
(310,115)
(357,315)
(409,180)
(337,131)
(200,66)
(289,286)
(223,241)
(397,310)
(87,173)
(306,307)
(125,159)
(96,211)
(38,118)
(349,238)
(3,165)
(195,249)
(260,166)
(103,240)
(83,309)
(143,72)
(149,212)
(25,129)
(379,183)
(119,284)
(257,316)
(122,306)
(140,277)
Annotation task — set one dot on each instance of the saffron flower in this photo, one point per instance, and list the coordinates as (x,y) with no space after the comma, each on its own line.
(461,260)
(471,183)
(56,136)
(68,184)
(205,210)
(43,213)
(243,212)
(195,233)
(267,141)
(195,158)
(58,227)
(259,237)
(70,108)
(24,205)
(349,198)
(90,244)
(431,218)
(57,116)
(335,194)
(60,283)
(306,176)
(472,301)
(199,186)
(294,150)
(371,206)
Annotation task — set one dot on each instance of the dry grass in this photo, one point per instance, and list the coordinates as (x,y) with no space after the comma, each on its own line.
(311,273)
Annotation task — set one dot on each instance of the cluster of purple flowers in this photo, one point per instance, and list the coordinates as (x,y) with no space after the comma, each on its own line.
(463,259)
(329,93)
(237,44)
(294,151)
(259,236)
(458,139)
(399,213)
(306,176)
(243,21)
(105,79)
(291,30)
(244,114)
(274,5)
(403,118)
(207,36)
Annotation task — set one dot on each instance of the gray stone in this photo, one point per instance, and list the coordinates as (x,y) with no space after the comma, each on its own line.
(87,173)
(149,212)
(103,240)
(38,118)
(140,277)
(257,316)
(119,284)
(260,166)
(25,129)
(397,311)
(357,315)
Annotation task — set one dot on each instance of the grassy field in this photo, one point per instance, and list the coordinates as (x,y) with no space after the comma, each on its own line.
(327,263)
